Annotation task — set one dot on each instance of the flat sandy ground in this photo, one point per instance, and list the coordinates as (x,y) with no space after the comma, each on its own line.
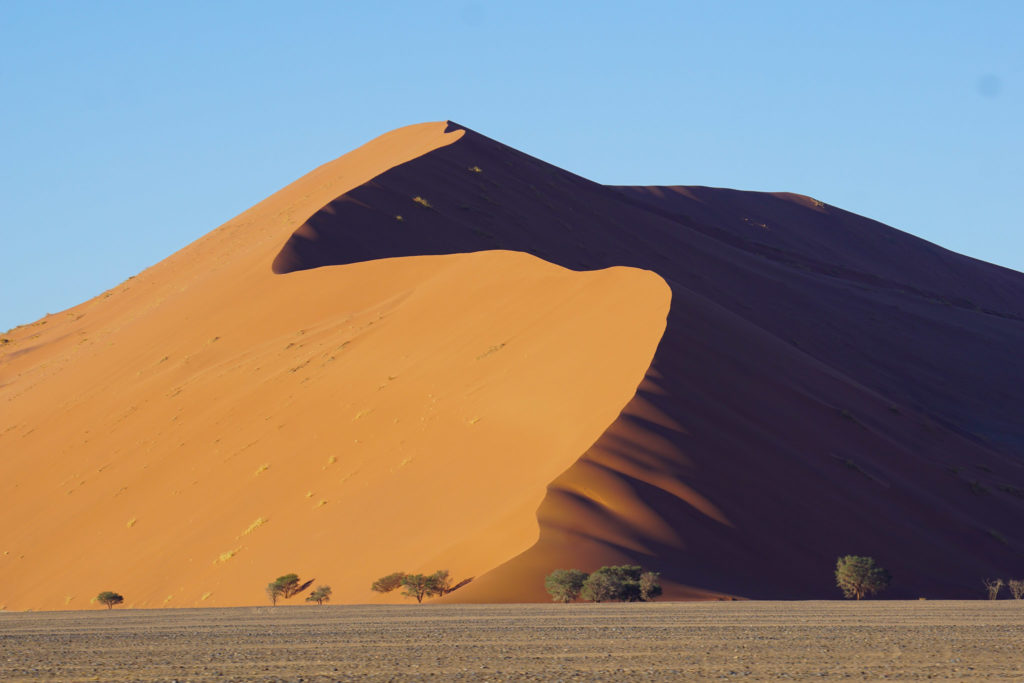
(660,641)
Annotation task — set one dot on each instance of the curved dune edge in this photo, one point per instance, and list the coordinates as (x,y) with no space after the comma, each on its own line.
(395,414)
(822,386)
(769,435)
(182,433)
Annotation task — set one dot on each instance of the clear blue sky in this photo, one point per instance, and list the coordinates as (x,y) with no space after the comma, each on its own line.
(128,129)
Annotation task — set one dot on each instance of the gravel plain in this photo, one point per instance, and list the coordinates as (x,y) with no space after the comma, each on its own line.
(580,642)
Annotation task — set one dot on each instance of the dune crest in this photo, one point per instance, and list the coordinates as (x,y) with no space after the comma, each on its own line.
(342,423)
(439,352)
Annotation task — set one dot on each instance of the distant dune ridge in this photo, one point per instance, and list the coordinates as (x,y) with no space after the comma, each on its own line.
(439,352)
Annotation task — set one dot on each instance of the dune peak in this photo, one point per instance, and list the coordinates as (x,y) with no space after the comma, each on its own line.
(556,372)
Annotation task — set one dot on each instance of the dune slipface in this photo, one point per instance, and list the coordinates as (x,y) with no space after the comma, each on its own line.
(437,351)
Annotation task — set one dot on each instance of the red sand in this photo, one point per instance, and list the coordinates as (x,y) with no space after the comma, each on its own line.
(825,385)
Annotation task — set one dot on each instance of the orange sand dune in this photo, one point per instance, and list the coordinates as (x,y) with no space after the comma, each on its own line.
(211,425)
(437,351)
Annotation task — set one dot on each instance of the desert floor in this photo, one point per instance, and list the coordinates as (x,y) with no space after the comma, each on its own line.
(660,641)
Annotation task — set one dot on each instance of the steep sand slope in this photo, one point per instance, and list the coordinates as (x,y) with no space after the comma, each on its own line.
(211,425)
(826,384)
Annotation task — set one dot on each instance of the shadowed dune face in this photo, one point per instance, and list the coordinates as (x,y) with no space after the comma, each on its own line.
(826,384)
(391,365)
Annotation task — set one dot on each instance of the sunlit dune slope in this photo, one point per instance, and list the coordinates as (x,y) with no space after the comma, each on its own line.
(212,425)
(438,351)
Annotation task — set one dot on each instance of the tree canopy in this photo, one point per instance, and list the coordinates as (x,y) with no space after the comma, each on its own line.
(320,595)
(650,586)
(110,598)
(416,586)
(858,576)
(624,583)
(565,585)
(388,583)
(419,586)
(618,583)
(286,586)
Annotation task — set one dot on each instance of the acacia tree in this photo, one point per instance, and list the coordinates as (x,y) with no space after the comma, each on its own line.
(439,583)
(286,586)
(621,583)
(565,585)
(388,583)
(416,586)
(273,592)
(650,586)
(858,576)
(600,587)
(419,586)
(320,595)
(110,598)
(1016,588)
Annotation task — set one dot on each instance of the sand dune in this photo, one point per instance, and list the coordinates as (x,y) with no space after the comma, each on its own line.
(437,351)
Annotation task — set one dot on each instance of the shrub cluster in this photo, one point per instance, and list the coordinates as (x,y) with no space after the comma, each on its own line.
(286,586)
(320,595)
(419,586)
(625,583)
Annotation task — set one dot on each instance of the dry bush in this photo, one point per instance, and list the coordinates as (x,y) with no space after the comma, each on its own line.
(993,587)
